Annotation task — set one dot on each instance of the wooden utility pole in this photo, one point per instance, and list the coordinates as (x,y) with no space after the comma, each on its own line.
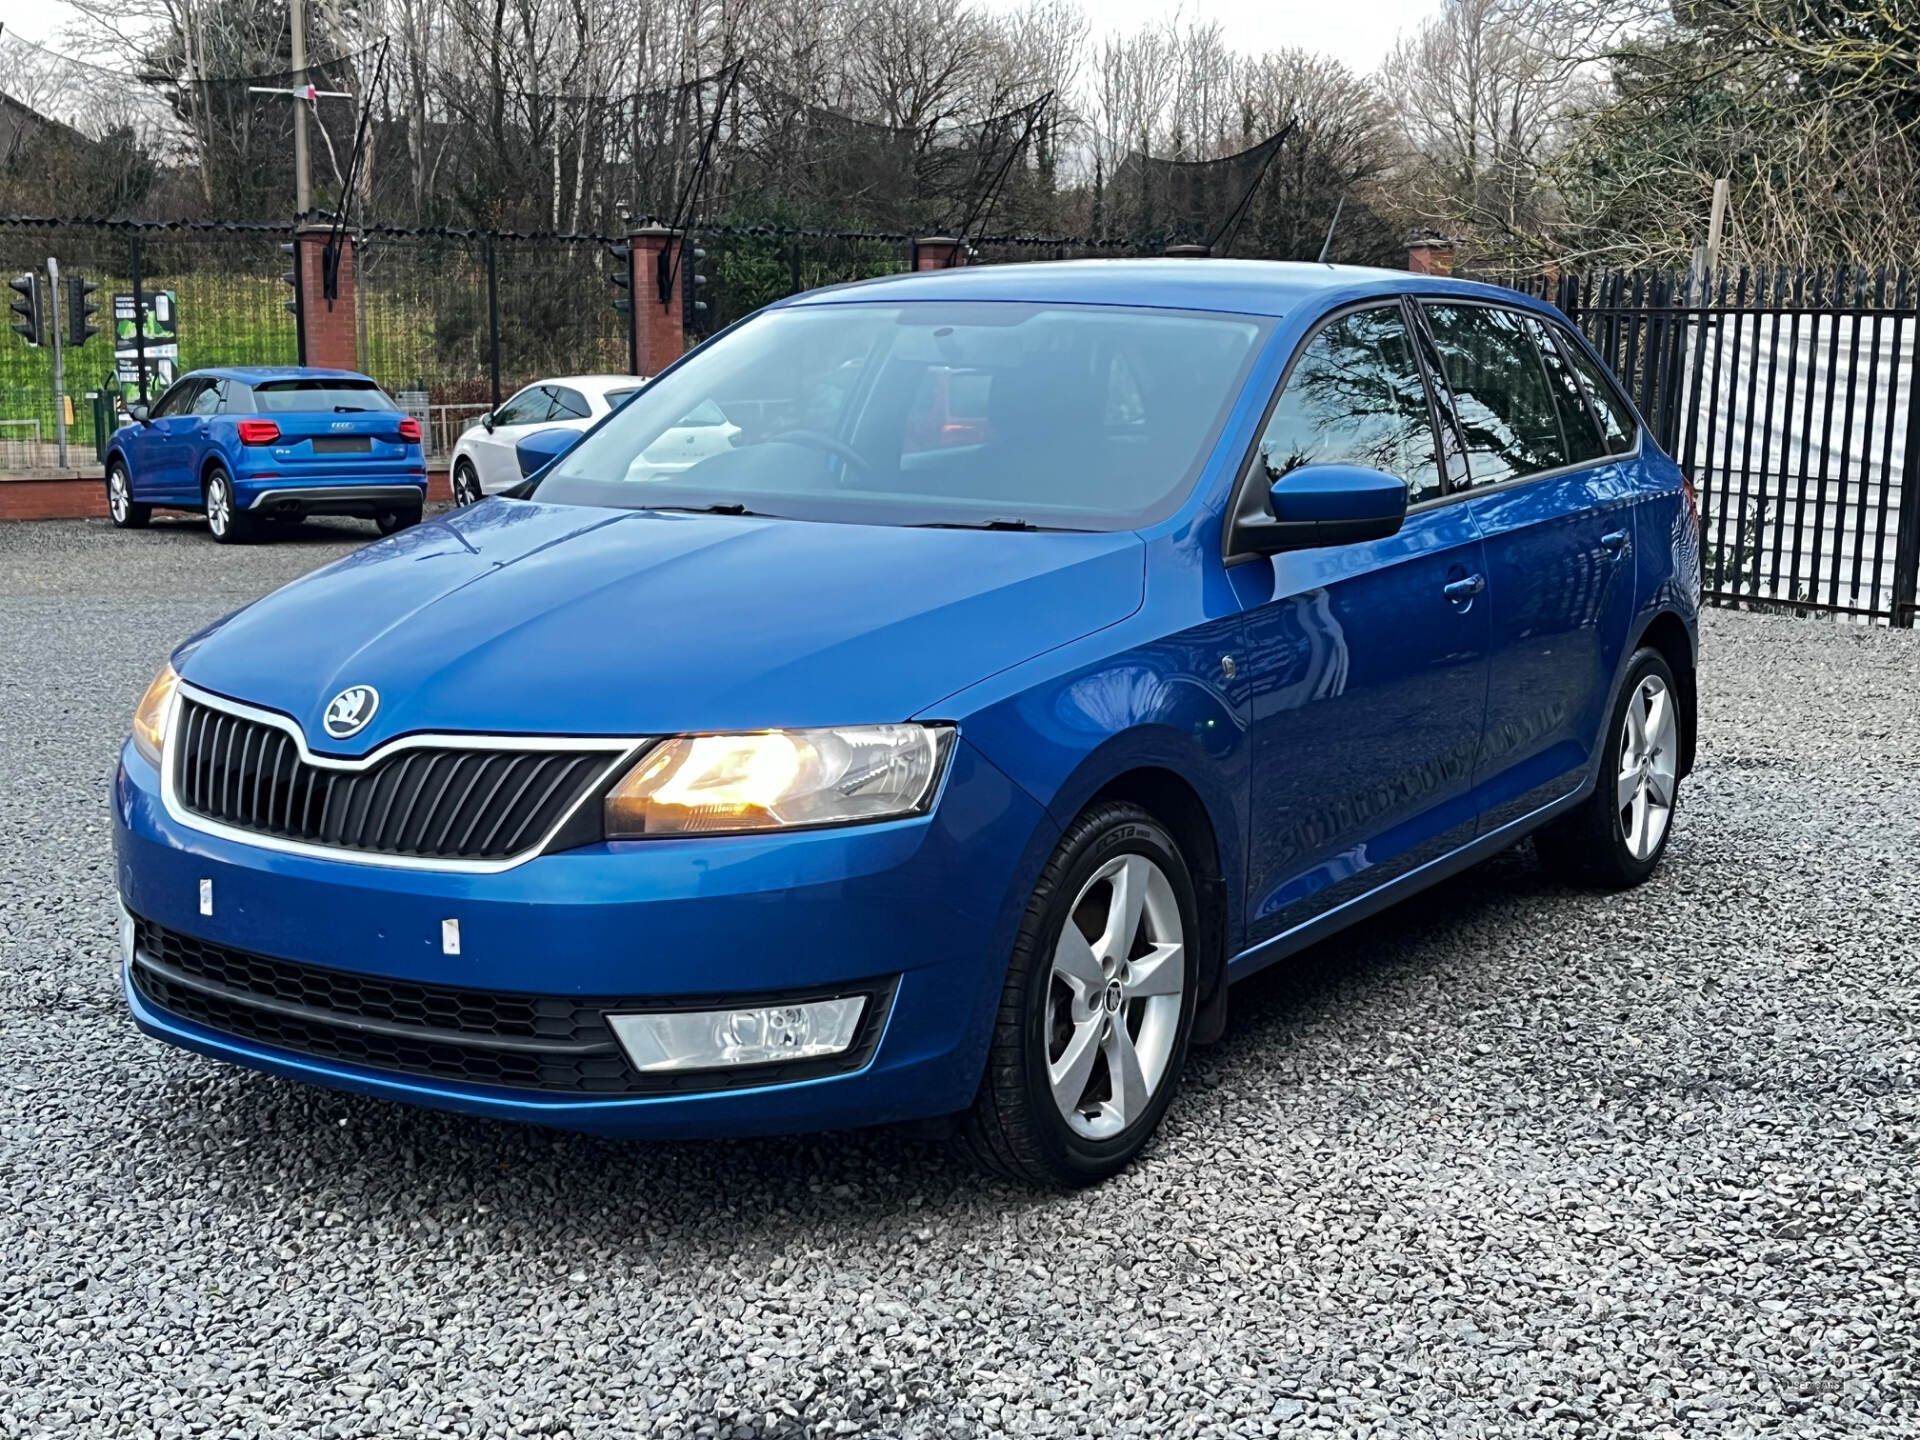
(1716,224)
(302,171)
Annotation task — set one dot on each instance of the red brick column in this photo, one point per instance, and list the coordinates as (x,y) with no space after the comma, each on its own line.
(327,329)
(938,252)
(1430,255)
(660,330)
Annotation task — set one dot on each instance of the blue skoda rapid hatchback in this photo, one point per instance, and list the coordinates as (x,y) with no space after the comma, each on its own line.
(1050,646)
(248,446)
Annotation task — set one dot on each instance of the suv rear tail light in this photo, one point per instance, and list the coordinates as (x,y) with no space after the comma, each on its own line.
(258,432)
(410,430)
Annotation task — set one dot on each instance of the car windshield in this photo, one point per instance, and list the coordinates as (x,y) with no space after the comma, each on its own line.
(1074,417)
(277,397)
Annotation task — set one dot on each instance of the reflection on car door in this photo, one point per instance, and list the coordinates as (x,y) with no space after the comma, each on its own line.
(1368,674)
(1556,514)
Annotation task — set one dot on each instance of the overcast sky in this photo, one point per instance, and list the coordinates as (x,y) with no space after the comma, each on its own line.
(1359,32)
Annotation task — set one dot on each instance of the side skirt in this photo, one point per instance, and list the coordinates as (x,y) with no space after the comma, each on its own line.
(1484,847)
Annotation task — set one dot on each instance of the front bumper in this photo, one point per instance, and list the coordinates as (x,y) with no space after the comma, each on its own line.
(920,910)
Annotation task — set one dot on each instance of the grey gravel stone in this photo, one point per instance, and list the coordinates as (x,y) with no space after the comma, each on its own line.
(1512,1160)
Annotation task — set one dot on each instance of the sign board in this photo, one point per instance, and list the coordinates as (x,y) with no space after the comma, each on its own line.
(158,338)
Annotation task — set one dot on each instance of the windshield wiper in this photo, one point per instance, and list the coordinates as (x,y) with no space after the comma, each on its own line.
(994,524)
(733,508)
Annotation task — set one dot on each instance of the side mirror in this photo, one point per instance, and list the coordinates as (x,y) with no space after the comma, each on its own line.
(486,422)
(138,413)
(537,451)
(1319,505)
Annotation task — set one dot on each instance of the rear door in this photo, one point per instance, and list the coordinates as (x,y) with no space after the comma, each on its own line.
(1368,662)
(1556,514)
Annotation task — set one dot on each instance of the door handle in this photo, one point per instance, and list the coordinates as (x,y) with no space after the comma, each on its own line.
(1461,591)
(1614,543)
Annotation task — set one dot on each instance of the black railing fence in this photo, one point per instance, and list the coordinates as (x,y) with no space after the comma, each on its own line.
(1789,399)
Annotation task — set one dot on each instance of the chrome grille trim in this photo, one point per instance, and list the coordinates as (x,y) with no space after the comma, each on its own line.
(283,744)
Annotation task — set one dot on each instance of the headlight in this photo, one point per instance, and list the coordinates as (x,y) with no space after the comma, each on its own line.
(150,715)
(778,779)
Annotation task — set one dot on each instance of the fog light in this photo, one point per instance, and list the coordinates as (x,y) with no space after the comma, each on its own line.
(721,1039)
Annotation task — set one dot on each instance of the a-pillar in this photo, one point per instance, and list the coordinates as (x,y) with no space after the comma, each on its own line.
(659,326)
(938,252)
(328,337)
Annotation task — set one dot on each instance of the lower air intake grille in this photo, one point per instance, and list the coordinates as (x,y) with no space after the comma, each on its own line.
(556,1043)
(434,802)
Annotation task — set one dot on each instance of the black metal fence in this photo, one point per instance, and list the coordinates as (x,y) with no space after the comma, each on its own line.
(209,295)
(1792,401)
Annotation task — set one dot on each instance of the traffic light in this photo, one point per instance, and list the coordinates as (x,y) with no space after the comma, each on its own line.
(697,307)
(31,324)
(622,277)
(291,278)
(80,310)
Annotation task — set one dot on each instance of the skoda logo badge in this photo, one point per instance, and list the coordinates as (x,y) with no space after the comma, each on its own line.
(349,711)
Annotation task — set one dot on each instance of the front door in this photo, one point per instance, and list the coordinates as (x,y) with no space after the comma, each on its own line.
(493,453)
(1368,662)
(161,453)
(1556,513)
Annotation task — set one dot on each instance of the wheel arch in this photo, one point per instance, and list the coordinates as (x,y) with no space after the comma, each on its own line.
(1172,799)
(215,457)
(1668,633)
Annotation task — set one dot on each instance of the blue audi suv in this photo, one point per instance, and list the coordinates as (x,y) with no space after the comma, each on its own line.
(1049,647)
(259,444)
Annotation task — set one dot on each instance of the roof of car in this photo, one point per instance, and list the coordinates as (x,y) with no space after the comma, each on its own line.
(588,382)
(260,374)
(1249,287)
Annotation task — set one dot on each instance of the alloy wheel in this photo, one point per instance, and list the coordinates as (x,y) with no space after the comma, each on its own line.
(1644,788)
(117,497)
(1113,1002)
(219,506)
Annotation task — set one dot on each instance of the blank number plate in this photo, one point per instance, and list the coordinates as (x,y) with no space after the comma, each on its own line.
(341,445)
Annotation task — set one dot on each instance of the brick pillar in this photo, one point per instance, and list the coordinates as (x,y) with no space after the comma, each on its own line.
(659,330)
(1430,255)
(938,252)
(327,330)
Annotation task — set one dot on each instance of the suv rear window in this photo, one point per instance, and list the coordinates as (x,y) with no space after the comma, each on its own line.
(277,397)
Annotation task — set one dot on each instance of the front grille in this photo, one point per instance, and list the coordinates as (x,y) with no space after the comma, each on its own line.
(450,803)
(555,1043)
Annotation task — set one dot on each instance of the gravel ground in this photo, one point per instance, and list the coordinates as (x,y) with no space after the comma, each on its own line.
(1514,1160)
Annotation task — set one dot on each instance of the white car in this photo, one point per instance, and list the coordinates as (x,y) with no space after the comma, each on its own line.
(483,459)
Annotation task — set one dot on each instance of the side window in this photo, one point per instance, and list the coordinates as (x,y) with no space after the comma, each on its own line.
(1499,385)
(527,408)
(1617,420)
(568,404)
(1577,422)
(1356,397)
(176,400)
(207,402)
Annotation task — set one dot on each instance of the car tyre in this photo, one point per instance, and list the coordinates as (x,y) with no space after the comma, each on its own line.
(1615,838)
(226,522)
(121,508)
(466,484)
(389,521)
(1086,977)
